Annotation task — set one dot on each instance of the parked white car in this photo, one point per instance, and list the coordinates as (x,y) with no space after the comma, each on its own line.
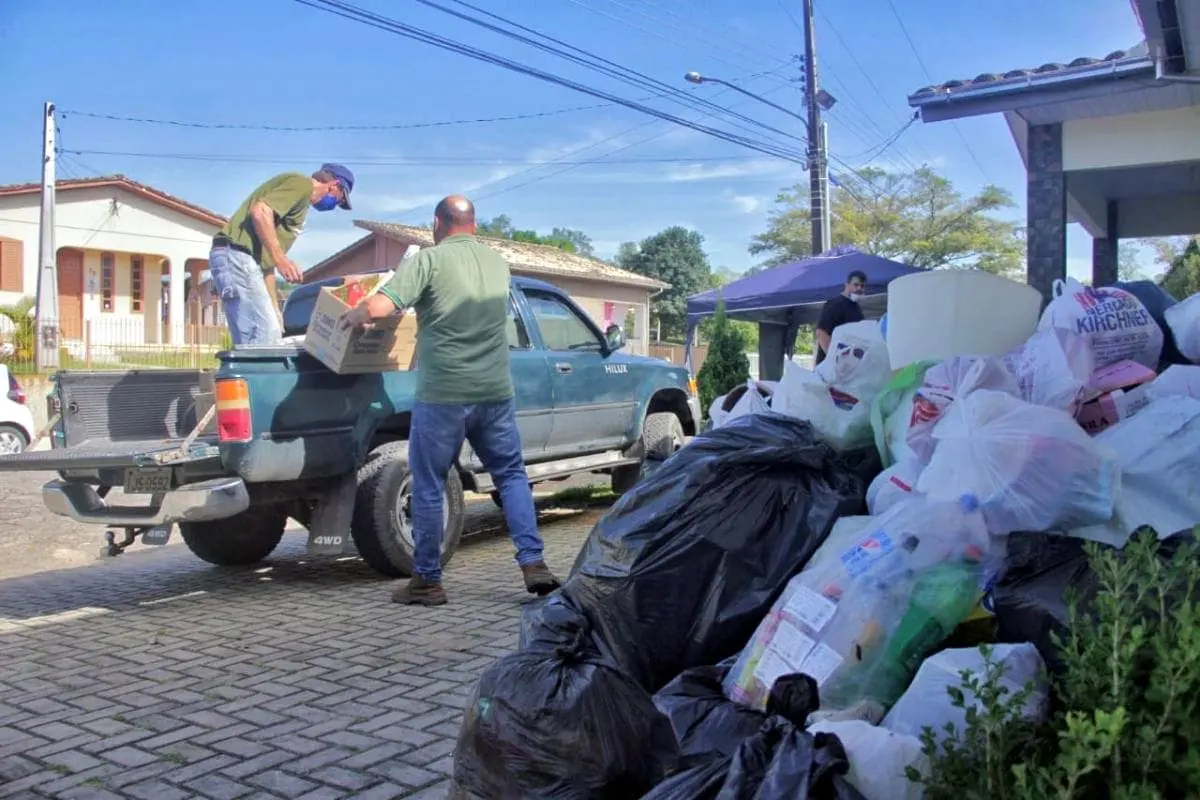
(16,420)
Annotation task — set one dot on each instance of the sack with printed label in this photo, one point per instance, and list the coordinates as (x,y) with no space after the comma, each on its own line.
(1053,369)
(1115,324)
(869,606)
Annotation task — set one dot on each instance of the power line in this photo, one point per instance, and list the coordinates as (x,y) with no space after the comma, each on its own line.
(592,61)
(929,76)
(406,31)
(314,128)
(875,152)
(379,161)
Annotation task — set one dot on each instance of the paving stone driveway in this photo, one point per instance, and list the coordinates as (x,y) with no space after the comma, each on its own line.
(154,676)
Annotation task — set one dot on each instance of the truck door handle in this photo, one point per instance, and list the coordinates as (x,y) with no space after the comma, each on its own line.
(563,369)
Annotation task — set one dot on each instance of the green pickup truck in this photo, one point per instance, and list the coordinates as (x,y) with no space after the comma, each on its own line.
(289,438)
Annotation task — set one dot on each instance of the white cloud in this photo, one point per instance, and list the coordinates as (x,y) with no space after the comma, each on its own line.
(700,171)
(746,204)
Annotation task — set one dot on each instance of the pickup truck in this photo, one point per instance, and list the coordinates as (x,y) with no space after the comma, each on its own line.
(229,455)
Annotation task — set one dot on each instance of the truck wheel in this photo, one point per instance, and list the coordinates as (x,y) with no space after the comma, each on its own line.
(382,526)
(662,435)
(238,541)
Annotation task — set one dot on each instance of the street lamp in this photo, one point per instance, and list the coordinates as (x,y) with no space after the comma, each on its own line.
(697,78)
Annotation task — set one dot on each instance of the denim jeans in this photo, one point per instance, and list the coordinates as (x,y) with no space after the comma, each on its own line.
(436,437)
(249,310)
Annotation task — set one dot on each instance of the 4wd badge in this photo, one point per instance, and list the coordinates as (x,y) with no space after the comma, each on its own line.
(616,369)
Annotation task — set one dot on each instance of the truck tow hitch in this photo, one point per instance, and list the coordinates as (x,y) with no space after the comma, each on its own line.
(112,548)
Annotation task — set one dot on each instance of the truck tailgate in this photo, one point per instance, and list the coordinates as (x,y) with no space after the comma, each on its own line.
(122,419)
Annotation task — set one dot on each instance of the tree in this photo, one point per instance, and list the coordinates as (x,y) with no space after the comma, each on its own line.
(747,330)
(916,217)
(726,365)
(566,239)
(1182,280)
(1129,262)
(675,256)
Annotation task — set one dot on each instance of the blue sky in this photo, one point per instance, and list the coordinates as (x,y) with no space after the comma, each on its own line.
(279,63)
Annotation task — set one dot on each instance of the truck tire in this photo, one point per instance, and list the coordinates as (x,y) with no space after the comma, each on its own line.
(382,524)
(238,541)
(662,435)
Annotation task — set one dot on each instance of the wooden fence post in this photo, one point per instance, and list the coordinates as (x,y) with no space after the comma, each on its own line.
(87,343)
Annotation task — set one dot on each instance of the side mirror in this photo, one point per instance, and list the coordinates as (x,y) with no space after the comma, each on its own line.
(614,337)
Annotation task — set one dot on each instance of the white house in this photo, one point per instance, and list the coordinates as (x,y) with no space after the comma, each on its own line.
(126,255)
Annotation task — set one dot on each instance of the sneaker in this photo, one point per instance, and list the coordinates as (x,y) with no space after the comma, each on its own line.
(420,592)
(539,579)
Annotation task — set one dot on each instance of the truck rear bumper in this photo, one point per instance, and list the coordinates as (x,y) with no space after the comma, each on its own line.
(195,502)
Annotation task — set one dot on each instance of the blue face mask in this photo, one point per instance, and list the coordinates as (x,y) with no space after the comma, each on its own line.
(326,203)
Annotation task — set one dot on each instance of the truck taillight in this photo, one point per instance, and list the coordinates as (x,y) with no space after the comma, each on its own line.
(692,387)
(233,411)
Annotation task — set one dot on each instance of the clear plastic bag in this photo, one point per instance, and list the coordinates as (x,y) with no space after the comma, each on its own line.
(837,398)
(946,382)
(860,616)
(926,703)
(1184,321)
(894,485)
(1178,379)
(1053,369)
(1113,322)
(1031,468)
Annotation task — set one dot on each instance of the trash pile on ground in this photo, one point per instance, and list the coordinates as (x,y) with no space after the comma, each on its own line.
(788,607)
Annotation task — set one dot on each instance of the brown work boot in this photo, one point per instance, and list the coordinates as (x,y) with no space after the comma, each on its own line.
(539,579)
(420,592)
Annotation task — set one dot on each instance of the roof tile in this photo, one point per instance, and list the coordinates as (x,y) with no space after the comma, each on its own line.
(116,180)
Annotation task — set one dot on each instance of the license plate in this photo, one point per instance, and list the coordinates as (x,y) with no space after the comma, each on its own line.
(147,481)
(158,535)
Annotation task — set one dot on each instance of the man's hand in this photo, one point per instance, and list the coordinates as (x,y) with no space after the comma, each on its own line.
(356,317)
(288,269)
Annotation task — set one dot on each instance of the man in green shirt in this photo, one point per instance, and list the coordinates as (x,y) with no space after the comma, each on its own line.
(255,241)
(459,290)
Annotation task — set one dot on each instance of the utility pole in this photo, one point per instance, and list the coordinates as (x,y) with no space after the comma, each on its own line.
(826,211)
(816,148)
(47,284)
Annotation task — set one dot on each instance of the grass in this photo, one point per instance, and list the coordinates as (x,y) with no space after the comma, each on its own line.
(581,497)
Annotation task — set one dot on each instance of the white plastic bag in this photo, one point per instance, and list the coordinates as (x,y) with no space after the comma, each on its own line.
(1114,323)
(1158,450)
(946,381)
(878,759)
(1181,379)
(1184,321)
(927,705)
(836,620)
(751,402)
(1029,467)
(1053,369)
(836,398)
(894,485)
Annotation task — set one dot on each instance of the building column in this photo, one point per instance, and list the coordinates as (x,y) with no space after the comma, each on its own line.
(1106,251)
(1046,208)
(177,266)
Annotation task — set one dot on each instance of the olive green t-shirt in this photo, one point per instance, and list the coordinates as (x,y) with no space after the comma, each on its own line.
(459,289)
(289,196)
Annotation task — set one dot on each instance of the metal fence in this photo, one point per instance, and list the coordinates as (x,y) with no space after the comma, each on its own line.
(111,343)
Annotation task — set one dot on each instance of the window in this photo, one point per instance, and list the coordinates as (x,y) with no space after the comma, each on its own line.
(631,323)
(518,337)
(108,268)
(137,275)
(561,326)
(12,265)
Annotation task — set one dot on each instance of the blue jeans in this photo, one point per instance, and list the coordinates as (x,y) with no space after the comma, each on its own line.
(437,435)
(249,310)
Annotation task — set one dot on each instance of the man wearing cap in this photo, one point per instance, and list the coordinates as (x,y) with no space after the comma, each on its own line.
(255,241)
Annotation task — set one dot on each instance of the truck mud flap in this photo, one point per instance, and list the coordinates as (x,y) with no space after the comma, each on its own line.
(329,529)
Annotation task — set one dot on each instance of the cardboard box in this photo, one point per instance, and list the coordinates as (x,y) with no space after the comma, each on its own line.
(391,344)
(1114,393)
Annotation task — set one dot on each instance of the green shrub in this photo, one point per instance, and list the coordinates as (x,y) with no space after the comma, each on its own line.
(1125,723)
(726,365)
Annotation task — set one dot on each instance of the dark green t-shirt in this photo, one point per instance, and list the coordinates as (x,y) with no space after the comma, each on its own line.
(459,289)
(289,195)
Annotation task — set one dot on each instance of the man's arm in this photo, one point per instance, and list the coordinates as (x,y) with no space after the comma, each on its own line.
(823,339)
(404,289)
(825,326)
(263,217)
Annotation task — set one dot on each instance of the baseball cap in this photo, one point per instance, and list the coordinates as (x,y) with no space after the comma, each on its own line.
(344,177)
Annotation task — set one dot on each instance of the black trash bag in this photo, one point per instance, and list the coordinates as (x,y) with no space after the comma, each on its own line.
(776,760)
(683,568)
(554,721)
(1157,300)
(1040,570)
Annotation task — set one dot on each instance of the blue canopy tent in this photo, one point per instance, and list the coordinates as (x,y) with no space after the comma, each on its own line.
(783,298)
